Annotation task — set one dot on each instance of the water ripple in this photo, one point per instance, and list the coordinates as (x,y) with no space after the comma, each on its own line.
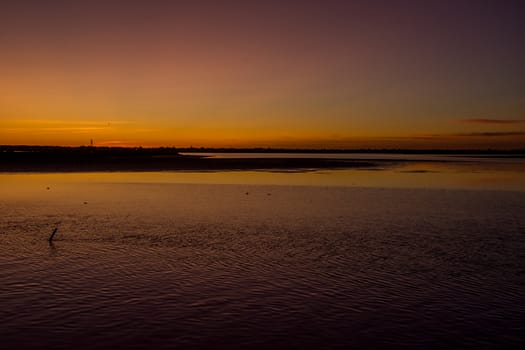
(310,267)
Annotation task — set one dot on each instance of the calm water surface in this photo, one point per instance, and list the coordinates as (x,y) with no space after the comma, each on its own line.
(431,255)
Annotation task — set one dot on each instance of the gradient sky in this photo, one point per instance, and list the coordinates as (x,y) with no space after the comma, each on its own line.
(425,74)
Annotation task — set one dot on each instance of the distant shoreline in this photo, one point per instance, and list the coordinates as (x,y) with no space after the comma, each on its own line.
(172,163)
(91,159)
(176,150)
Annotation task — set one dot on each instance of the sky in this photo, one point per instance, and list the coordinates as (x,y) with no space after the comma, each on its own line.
(294,74)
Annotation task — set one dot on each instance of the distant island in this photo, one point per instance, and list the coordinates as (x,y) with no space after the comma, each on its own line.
(89,158)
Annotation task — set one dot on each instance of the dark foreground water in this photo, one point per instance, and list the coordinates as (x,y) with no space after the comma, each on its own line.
(160,265)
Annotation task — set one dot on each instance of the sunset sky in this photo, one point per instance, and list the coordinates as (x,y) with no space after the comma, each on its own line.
(273,73)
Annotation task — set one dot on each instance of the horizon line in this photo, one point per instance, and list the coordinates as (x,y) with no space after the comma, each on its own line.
(274,149)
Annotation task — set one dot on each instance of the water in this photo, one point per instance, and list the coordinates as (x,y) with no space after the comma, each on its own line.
(249,259)
(368,156)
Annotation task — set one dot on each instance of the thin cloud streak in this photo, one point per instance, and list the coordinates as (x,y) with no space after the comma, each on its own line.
(460,135)
(492,134)
(491,121)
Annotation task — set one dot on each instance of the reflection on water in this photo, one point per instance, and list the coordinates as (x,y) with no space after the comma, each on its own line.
(490,175)
(487,158)
(246,259)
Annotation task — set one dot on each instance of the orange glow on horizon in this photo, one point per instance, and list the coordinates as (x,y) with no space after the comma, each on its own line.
(326,75)
(135,134)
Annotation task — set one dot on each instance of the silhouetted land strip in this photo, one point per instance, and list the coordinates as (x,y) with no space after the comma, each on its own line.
(69,159)
(77,159)
(177,150)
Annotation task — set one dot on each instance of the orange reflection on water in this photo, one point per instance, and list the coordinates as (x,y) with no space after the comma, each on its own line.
(445,175)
